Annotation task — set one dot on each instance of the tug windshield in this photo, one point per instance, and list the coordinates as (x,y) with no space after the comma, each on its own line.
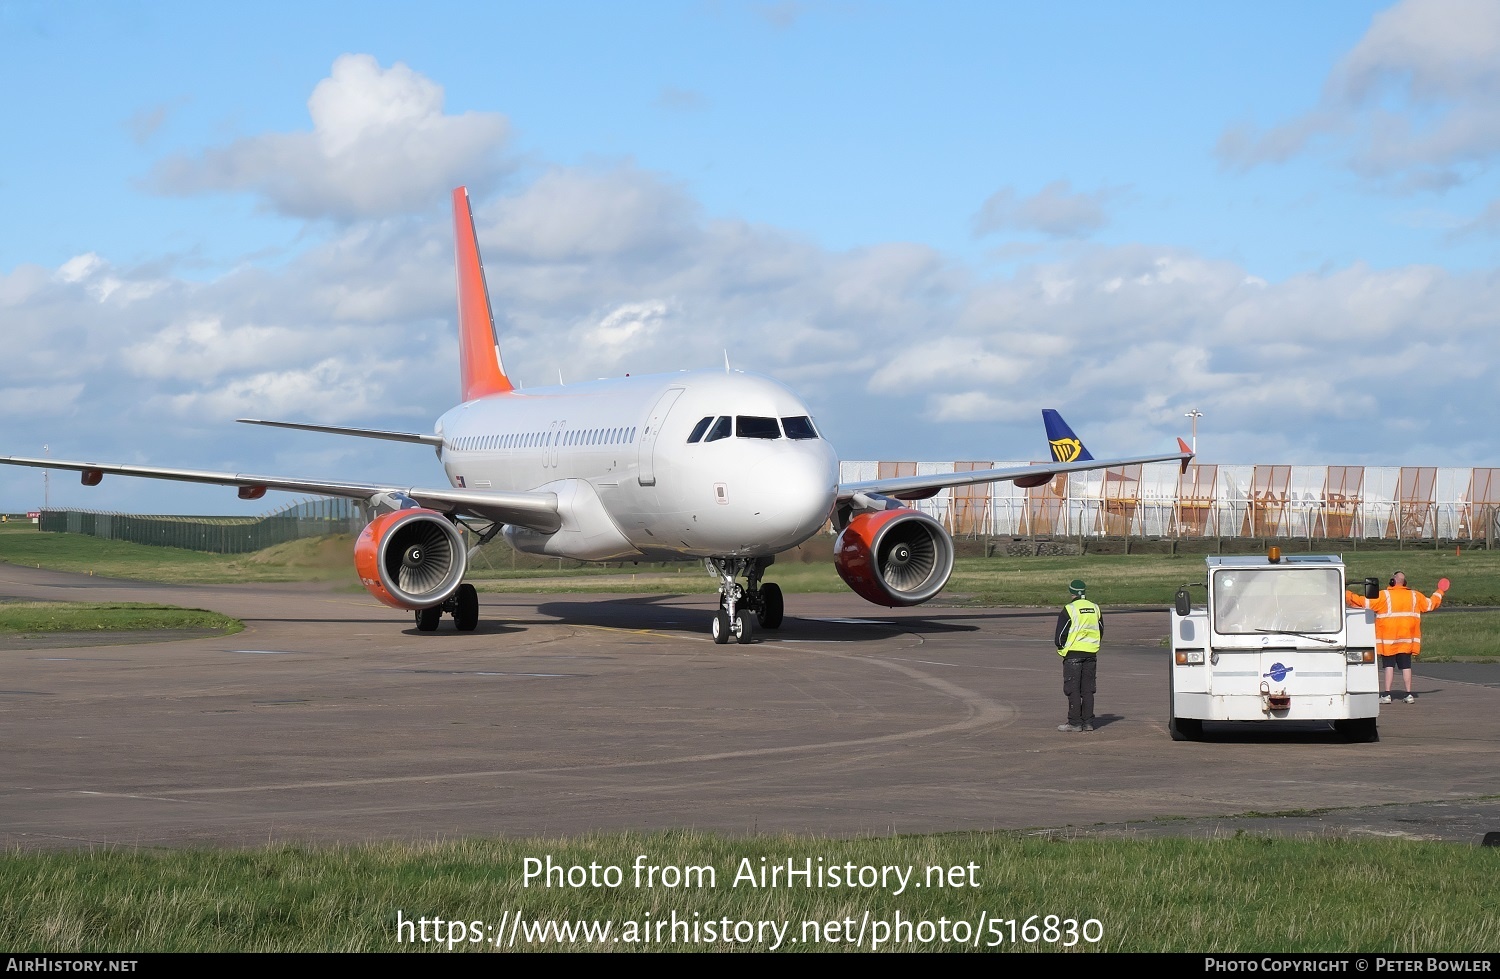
(1248,601)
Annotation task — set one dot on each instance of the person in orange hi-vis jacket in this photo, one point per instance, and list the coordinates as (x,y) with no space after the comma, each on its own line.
(1398,627)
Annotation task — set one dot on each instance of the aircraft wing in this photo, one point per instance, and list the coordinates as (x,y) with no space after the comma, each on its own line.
(537,511)
(921,487)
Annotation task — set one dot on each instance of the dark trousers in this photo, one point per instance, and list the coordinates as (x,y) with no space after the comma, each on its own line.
(1080,671)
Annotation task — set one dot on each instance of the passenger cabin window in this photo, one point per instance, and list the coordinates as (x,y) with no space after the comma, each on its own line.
(799,427)
(756,427)
(700,428)
(721,430)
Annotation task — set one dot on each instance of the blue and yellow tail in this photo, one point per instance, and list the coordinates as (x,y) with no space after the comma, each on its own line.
(1066,447)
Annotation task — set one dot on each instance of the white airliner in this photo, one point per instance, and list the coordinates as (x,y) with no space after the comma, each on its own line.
(718,465)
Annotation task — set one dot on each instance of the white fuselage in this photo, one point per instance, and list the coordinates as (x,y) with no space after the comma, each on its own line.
(630,484)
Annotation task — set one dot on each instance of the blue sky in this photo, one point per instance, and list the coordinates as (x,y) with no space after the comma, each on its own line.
(930,220)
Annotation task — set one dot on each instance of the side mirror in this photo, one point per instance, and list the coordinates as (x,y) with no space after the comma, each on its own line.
(1372,587)
(1182,602)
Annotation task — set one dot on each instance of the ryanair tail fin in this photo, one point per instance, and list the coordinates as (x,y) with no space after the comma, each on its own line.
(481,371)
(1066,447)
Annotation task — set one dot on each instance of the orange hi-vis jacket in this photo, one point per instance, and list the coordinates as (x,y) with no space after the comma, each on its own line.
(1398,617)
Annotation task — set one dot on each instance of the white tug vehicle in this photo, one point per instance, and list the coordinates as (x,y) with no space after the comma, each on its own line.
(1274,643)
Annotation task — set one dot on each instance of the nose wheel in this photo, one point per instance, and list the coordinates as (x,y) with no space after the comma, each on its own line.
(744,608)
(739,627)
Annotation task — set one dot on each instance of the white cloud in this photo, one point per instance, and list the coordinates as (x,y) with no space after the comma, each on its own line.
(979,406)
(1055,210)
(79,267)
(630,277)
(585,215)
(900,350)
(945,361)
(632,323)
(1486,222)
(381,145)
(1416,100)
(337,390)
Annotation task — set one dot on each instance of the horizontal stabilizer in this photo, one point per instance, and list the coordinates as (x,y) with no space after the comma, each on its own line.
(368,433)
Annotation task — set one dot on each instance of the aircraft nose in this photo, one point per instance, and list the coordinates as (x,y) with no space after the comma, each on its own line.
(796,493)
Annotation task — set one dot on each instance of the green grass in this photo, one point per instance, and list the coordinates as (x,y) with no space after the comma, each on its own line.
(314,559)
(1246,893)
(1475,574)
(34,617)
(1454,635)
(1113,579)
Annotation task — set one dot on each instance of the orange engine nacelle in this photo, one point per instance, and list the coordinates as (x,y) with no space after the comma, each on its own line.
(894,557)
(410,559)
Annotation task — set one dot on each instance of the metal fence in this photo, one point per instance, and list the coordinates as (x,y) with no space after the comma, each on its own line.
(1153,500)
(1270,501)
(221,535)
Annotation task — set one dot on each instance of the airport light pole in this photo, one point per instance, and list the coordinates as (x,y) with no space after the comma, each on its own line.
(1195,414)
(46,481)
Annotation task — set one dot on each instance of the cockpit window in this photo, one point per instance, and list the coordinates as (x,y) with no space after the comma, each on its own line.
(799,427)
(756,427)
(700,428)
(720,430)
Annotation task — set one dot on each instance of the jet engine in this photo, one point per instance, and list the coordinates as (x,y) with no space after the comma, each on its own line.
(411,558)
(894,557)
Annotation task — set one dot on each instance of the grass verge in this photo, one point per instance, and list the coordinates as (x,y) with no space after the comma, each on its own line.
(1113,579)
(1459,636)
(313,559)
(29,617)
(1245,893)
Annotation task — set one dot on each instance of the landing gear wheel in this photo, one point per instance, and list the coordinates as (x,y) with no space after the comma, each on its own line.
(744,627)
(428,618)
(1358,730)
(1185,728)
(720,628)
(466,614)
(772,607)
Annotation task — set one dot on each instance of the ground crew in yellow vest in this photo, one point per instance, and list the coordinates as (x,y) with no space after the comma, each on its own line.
(1080,632)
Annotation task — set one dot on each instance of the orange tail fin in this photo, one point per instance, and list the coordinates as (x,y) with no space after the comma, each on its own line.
(481,370)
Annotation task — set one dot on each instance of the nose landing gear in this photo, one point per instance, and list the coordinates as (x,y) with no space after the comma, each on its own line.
(742,607)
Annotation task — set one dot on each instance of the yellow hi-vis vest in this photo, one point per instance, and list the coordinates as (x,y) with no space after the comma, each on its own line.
(1083,628)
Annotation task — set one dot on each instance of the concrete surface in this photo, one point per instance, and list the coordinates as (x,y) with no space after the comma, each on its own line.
(331,719)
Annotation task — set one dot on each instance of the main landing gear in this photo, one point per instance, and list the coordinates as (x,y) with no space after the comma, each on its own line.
(463,605)
(742,607)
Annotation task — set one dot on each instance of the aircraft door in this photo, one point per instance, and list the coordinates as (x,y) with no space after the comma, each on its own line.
(646,470)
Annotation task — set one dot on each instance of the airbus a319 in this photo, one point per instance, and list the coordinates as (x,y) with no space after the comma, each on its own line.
(718,465)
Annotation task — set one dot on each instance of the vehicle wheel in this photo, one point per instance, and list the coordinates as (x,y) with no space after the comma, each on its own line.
(466,616)
(720,627)
(1185,728)
(772,606)
(428,618)
(1180,728)
(1358,730)
(744,627)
